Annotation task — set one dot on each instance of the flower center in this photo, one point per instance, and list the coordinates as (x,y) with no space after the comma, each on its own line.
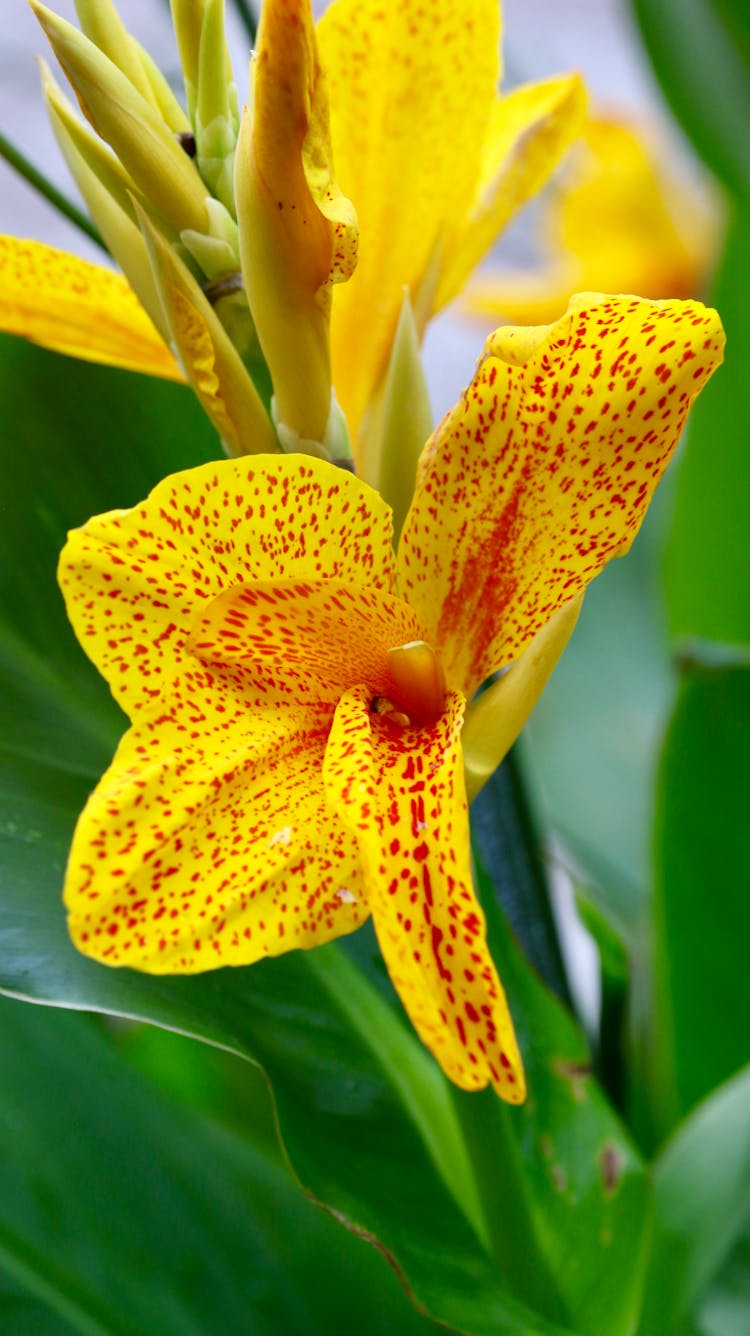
(416,689)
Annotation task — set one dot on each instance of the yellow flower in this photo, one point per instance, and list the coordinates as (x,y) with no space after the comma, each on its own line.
(617,222)
(432,158)
(297,691)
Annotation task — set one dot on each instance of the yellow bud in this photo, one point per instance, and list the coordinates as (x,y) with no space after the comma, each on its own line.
(297,231)
(147,149)
(103,26)
(104,185)
(210,361)
(171,112)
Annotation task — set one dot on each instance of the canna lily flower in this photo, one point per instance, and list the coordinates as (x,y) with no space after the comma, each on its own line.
(617,222)
(433,159)
(297,690)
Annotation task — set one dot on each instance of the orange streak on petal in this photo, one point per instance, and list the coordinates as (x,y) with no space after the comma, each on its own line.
(303,642)
(401,792)
(544,470)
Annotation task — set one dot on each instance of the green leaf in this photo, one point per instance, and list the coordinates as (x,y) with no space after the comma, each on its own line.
(702,1199)
(587,1186)
(707,572)
(701,912)
(127,1213)
(705,74)
(725,1310)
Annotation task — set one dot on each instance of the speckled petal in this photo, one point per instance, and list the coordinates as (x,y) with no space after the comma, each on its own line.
(528,134)
(77,308)
(401,793)
(305,642)
(544,470)
(134,580)
(411,87)
(207,841)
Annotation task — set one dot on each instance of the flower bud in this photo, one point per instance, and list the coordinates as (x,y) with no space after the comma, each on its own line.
(145,146)
(298,233)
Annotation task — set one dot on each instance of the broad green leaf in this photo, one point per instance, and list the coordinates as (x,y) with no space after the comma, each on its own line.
(705,74)
(725,1310)
(585,1179)
(701,1201)
(23,1315)
(517,869)
(126,1213)
(707,569)
(367,1120)
(701,912)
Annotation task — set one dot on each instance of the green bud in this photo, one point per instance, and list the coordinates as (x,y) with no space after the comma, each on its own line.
(215,129)
(404,418)
(147,149)
(187,17)
(218,252)
(104,187)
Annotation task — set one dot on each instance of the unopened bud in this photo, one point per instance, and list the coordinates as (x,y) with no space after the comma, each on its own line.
(146,147)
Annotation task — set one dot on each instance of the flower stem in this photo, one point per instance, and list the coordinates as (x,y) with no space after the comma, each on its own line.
(498,1167)
(248,18)
(39,182)
(507,844)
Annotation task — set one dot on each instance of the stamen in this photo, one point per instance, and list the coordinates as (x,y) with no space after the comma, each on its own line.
(418,682)
(383,706)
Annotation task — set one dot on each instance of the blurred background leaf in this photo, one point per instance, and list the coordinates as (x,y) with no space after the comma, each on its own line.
(701,1199)
(707,566)
(699,1031)
(701,55)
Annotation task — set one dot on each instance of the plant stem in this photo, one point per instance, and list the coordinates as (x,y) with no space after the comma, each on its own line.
(248,18)
(39,182)
(495,1155)
(507,844)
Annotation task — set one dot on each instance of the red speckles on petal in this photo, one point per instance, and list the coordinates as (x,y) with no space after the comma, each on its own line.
(199,533)
(418,881)
(545,469)
(213,846)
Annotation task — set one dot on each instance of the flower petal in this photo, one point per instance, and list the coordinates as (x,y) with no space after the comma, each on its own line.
(544,470)
(134,580)
(305,643)
(401,792)
(411,87)
(529,132)
(77,308)
(207,841)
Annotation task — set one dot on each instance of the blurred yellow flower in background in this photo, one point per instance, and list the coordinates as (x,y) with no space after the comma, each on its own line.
(619,219)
